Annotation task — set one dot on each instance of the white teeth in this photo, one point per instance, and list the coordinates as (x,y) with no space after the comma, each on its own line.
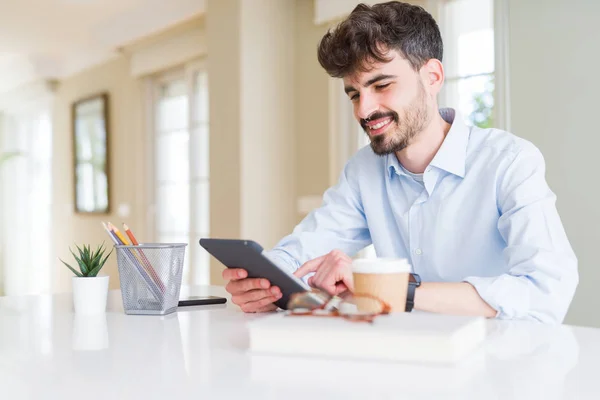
(379,125)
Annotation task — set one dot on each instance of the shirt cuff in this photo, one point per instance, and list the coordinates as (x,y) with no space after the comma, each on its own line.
(282,259)
(286,262)
(486,289)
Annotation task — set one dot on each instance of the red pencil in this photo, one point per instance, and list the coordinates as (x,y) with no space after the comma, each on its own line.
(130,234)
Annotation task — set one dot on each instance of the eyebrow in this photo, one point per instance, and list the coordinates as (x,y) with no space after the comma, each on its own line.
(371,81)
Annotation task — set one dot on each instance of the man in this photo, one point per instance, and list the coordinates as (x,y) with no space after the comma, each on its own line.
(468,207)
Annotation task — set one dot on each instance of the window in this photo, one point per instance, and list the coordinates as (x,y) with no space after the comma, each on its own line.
(25,196)
(181,177)
(469,59)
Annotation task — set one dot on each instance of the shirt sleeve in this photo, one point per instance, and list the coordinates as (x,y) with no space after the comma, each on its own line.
(339,223)
(542,268)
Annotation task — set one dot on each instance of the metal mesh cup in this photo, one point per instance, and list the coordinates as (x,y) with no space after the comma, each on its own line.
(150,276)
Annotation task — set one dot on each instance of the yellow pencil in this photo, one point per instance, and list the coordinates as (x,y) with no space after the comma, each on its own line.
(119,234)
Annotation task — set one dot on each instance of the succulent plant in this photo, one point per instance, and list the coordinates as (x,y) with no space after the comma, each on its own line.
(90,262)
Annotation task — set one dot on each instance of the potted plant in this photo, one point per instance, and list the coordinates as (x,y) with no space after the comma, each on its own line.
(90,291)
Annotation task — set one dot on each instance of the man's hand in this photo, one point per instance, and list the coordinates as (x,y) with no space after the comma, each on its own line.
(333,272)
(251,294)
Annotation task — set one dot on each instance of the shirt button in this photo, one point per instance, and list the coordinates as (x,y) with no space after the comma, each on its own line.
(418,252)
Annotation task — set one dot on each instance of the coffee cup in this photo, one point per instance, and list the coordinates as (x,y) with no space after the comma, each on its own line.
(384,278)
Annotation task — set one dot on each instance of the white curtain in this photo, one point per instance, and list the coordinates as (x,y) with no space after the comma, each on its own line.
(25,201)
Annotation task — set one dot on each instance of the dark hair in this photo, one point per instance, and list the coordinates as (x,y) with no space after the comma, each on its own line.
(370,32)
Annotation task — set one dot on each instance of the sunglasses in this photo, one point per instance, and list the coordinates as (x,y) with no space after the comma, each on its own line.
(352,306)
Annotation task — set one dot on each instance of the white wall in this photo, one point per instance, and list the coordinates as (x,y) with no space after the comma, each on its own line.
(126,163)
(311,94)
(330,10)
(252,164)
(553,50)
(267,115)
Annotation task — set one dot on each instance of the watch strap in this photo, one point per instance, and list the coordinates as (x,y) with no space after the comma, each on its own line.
(410,294)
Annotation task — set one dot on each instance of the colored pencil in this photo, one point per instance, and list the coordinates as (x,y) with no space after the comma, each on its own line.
(145,260)
(130,234)
(118,233)
(156,292)
(112,236)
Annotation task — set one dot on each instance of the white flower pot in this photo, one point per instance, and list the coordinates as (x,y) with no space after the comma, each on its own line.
(89,295)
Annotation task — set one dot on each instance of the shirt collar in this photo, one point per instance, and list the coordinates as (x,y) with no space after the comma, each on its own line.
(392,165)
(452,155)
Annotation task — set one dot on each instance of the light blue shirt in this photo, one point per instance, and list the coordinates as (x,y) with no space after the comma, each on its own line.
(484,214)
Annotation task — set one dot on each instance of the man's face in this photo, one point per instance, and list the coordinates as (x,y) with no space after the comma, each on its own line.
(390,103)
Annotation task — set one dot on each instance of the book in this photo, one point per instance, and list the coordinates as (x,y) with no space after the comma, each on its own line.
(380,377)
(417,336)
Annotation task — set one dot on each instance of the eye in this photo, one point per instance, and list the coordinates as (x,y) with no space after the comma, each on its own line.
(379,87)
(354,97)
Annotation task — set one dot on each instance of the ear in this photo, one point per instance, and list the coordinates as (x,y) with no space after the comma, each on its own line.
(432,74)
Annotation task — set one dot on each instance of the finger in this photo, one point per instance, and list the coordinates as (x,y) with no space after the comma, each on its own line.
(311,281)
(232,274)
(254,306)
(343,277)
(340,288)
(329,289)
(254,295)
(324,282)
(329,277)
(349,283)
(245,285)
(309,266)
(342,272)
(339,255)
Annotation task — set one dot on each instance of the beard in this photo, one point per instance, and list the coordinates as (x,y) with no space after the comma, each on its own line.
(401,132)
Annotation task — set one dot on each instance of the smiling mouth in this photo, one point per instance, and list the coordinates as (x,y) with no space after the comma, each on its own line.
(380,126)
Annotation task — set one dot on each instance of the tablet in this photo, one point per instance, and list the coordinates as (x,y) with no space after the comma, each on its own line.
(247,254)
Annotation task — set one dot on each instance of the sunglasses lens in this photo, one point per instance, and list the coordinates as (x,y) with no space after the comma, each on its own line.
(360,306)
(307,301)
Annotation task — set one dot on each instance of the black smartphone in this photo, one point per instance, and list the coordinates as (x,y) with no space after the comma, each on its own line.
(201,301)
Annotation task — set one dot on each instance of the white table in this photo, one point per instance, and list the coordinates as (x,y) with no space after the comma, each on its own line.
(47,352)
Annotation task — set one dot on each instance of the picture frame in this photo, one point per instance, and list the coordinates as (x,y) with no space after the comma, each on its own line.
(91,133)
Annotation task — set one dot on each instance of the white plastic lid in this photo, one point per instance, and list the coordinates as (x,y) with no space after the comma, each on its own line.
(381,266)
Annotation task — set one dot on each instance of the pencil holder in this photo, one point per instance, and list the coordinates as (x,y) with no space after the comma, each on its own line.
(150,276)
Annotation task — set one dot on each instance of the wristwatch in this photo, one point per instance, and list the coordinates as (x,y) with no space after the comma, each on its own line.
(414,281)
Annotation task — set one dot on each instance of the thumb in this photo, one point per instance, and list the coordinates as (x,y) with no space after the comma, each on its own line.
(309,266)
(344,283)
(341,288)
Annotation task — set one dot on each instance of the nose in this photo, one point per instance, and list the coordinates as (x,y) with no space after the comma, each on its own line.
(365,106)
